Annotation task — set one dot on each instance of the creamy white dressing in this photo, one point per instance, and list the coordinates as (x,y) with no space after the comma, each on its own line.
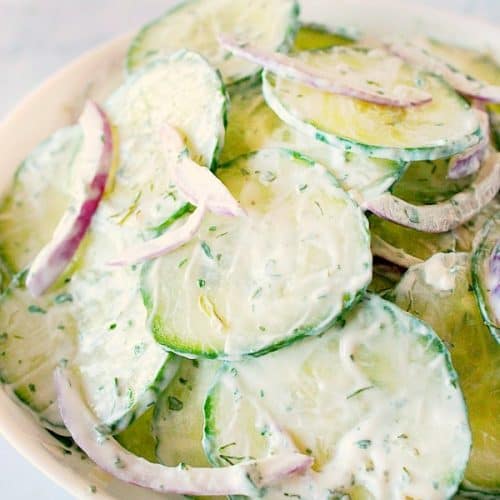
(439,274)
(372,402)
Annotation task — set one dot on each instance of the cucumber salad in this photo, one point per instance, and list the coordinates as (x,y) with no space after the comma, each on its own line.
(268,265)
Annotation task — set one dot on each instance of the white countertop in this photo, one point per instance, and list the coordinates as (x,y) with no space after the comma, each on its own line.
(37,38)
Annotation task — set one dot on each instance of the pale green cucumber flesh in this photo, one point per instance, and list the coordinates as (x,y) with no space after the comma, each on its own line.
(439,292)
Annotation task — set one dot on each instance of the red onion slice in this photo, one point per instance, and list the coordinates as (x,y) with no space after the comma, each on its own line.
(166,243)
(242,479)
(198,184)
(332,80)
(97,159)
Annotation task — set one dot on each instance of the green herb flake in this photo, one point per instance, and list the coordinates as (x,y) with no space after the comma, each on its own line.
(182,263)
(34,309)
(303,187)
(212,229)
(319,207)
(359,391)
(175,404)
(139,349)
(4,337)
(270,176)
(32,387)
(206,249)
(364,444)
(93,489)
(63,298)
(112,326)
(201,283)
(119,463)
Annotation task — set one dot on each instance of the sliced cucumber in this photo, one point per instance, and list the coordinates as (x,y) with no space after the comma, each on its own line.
(39,196)
(178,420)
(441,128)
(375,401)
(253,126)
(122,368)
(138,437)
(318,37)
(486,274)
(185,92)
(195,24)
(426,183)
(256,283)
(440,293)
(405,246)
(36,335)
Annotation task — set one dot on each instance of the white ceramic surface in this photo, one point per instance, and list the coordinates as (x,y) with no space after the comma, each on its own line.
(58,102)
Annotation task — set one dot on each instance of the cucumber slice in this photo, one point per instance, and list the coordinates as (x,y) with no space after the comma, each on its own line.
(138,437)
(375,402)
(195,24)
(185,92)
(253,126)
(244,287)
(178,419)
(440,293)
(318,37)
(426,183)
(39,196)
(37,335)
(405,246)
(486,275)
(122,368)
(441,128)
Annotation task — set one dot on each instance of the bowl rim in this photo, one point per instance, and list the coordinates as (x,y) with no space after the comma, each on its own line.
(13,417)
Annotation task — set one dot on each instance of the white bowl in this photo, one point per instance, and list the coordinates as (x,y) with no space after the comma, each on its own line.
(58,102)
